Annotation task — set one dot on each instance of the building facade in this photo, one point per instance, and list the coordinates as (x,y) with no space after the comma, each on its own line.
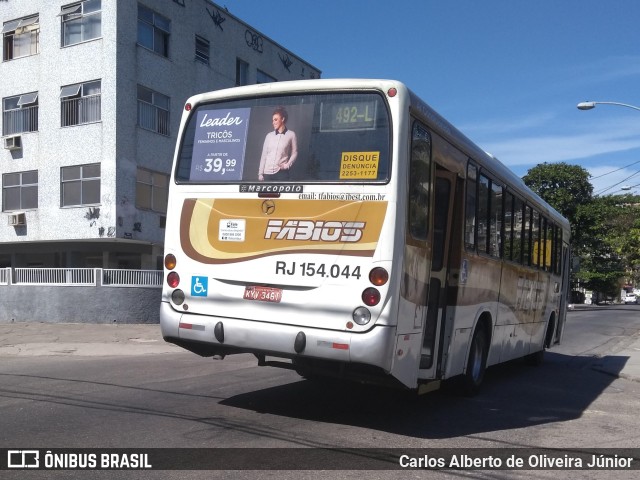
(92,93)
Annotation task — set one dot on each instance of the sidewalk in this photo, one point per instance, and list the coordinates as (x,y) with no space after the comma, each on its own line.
(88,339)
(82,339)
(625,363)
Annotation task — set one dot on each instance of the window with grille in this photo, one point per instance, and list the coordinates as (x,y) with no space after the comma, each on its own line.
(153,110)
(202,50)
(80,103)
(20,114)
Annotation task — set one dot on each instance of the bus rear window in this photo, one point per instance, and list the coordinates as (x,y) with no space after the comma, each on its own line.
(323,138)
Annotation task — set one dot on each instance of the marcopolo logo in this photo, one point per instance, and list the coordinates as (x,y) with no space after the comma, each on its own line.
(271,188)
(318,231)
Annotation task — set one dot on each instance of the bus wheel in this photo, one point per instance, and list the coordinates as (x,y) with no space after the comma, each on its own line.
(477,363)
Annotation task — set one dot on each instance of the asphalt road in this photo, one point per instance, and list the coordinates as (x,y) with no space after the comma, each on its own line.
(176,399)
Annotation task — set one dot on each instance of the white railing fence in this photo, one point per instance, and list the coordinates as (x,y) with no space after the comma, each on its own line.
(54,276)
(81,277)
(5,276)
(131,278)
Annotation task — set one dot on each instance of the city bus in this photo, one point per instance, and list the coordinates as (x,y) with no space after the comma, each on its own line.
(344,228)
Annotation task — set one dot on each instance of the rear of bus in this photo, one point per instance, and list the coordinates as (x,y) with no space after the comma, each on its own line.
(296,268)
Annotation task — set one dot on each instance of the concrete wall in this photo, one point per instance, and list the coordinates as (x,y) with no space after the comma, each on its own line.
(53,304)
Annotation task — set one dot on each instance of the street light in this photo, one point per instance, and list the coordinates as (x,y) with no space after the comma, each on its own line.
(590,105)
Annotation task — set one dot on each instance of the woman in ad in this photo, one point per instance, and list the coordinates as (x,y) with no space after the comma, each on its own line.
(280,149)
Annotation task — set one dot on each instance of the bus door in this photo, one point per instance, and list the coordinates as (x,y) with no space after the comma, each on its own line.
(444,192)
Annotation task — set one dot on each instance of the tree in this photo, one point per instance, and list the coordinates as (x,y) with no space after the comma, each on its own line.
(602,267)
(604,231)
(620,227)
(562,186)
(567,189)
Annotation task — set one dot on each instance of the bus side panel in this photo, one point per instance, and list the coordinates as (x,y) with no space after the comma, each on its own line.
(478,294)
(520,303)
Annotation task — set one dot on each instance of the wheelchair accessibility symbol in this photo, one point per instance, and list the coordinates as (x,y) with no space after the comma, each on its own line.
(199,286)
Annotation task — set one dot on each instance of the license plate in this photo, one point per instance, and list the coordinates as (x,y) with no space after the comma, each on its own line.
(263,294)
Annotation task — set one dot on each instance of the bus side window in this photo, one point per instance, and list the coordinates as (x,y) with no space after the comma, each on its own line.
(526,250)
(484,187)
(508,226)
(518,229)
(495,219)
(535,242)
(419,181)
(470,207)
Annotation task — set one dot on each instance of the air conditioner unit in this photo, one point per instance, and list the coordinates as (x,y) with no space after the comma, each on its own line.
(12,143)
(17,219)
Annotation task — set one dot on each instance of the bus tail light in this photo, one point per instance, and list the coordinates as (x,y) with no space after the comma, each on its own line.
(173,279)
(177,296)
(170,261)
(371,296)
(361,315)
(378,276)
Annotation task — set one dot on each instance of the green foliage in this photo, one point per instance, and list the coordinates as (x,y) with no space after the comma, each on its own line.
(567,189)
(605,230)
(563,186)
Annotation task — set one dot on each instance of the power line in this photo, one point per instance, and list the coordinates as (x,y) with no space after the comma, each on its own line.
(616,184)
(616,170)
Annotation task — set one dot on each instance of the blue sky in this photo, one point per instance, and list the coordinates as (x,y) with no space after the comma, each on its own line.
(508,73)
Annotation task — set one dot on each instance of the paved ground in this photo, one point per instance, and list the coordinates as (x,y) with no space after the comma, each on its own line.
(86,339)
(52,339)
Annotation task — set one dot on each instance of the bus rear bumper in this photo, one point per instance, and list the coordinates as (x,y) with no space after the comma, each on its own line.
(212,335)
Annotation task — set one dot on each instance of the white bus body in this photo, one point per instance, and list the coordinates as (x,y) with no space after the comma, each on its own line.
(393,249)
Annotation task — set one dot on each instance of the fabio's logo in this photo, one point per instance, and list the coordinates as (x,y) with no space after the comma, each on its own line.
(318,231)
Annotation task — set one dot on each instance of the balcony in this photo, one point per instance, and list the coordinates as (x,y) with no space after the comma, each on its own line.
(81,110)
(151,117)
(20,120)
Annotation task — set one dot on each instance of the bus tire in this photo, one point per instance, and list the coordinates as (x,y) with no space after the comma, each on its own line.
(471,379)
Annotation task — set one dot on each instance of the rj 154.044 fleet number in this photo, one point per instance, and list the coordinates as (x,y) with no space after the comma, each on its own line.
(310,269)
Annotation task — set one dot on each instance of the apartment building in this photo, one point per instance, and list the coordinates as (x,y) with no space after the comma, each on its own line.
(92,93)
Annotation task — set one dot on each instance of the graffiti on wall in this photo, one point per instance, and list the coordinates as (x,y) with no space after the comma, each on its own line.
(286,61)
(254,40)
(217,18)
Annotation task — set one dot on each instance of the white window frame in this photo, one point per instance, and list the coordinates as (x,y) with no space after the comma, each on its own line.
(83,181)
(78,105)
(21,118)
(25,28)
(151,110)
(158,26)
(203,50)
(157,184)
(20,185)
(86,11)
